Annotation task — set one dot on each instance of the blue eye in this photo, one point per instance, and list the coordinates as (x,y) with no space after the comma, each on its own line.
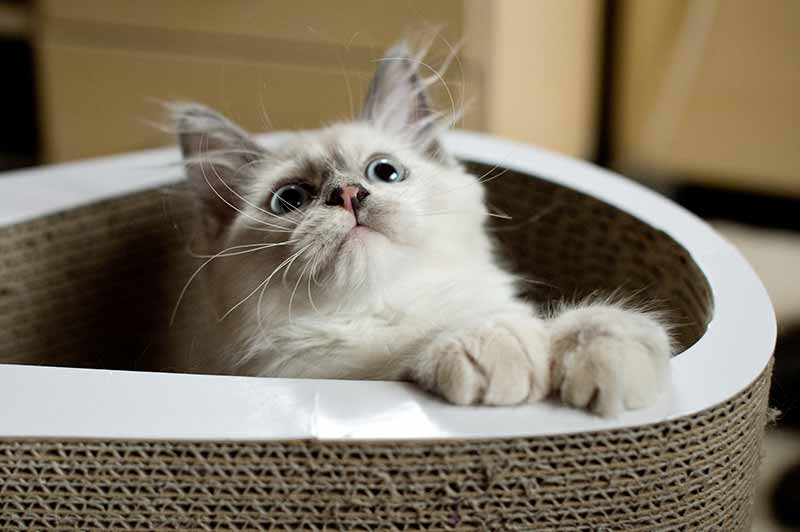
(288,198)
(385,169)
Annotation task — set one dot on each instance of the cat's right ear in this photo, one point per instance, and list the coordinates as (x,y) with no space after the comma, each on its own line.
(398,102)
(219,158)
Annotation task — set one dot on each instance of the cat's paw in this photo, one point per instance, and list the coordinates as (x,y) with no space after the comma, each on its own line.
(608,359)
(502,363)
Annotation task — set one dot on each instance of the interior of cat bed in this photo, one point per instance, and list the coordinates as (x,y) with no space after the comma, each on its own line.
(95,286)
(115,449)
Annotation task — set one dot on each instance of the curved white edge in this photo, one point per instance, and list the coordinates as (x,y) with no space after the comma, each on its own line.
(80,403)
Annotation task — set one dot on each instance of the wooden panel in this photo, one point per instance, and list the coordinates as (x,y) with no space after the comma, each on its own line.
(102,65)
(98,101)
(529,70)
(542,72)
(341,22)
(707,91)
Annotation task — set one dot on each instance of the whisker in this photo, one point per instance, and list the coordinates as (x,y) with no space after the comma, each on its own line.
(229,204)
(481,179)
(256,246)
(502,216)
(347,84)
(435,73)
(215,256)
(495,208)
(455,211)
(264,114)
(260,301)
(204,140)
(537,282)
(484,179)
(245,200)
(264,283)
(287,269)
(454,55)
(291,298)
(311,299)
(263,230)
(292,208)
(539,215)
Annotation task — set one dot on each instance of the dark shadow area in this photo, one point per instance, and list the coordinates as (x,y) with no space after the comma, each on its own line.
(19,133)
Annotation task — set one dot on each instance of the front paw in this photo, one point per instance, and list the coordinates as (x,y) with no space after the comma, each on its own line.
(608,359)
(502,363)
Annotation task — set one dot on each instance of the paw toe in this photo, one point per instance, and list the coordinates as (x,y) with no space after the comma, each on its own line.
(458,378)
(494,365)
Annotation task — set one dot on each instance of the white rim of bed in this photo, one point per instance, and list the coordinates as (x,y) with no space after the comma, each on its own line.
(103,404)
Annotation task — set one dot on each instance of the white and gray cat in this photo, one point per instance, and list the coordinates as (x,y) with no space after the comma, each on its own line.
(359,251)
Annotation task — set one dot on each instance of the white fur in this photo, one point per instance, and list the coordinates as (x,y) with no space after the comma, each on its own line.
(417,296)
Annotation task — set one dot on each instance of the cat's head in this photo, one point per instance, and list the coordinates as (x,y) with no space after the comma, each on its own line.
(349,206)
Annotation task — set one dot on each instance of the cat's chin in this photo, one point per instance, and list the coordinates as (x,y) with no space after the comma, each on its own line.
(360,239)
(362,253)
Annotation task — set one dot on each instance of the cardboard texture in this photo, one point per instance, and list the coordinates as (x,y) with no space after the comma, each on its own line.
(93,284)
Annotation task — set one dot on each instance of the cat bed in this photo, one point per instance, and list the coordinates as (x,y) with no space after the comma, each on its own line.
(94,255)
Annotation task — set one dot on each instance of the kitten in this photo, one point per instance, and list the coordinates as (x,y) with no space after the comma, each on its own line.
(359,251)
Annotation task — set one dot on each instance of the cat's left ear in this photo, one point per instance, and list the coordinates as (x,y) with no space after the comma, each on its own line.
(398,102)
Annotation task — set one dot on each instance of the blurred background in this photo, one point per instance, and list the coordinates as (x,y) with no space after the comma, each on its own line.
(696,98)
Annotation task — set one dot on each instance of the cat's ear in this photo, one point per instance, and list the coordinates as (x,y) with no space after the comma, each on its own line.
(398,101)
(219,158)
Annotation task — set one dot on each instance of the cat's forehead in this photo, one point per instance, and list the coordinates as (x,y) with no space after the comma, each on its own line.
(316,155)
(338,145)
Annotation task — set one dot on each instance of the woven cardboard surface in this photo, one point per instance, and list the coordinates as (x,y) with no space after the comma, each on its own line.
(695,473)
(95,287)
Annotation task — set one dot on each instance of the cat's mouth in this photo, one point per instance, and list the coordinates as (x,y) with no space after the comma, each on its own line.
(359,235)
(359,230)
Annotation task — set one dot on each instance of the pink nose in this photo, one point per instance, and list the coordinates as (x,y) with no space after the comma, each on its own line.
(350,197)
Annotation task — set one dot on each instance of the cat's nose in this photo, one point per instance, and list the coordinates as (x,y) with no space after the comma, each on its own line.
(349,196)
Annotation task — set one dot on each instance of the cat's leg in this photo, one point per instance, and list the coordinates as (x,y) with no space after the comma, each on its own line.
(608,359)
(503,361)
